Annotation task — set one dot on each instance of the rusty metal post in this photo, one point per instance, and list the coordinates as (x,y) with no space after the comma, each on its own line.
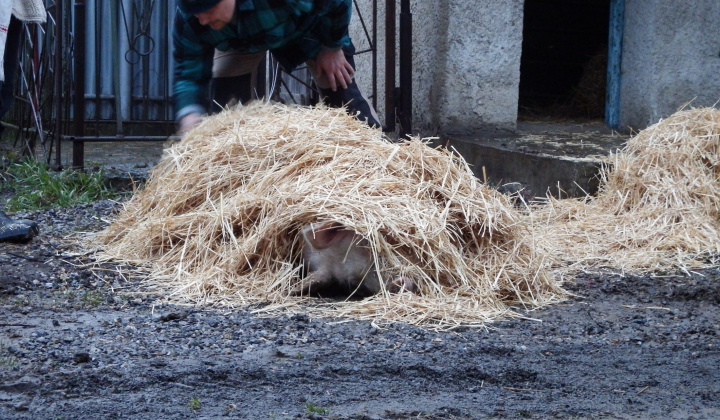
(390,65)
(79,76)
(374,54)
(57,79)
(405,68)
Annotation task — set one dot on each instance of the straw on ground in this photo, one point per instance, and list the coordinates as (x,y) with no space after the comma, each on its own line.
(218,220)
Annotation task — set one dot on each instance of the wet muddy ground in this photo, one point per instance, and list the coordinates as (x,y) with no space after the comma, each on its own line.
(80,344)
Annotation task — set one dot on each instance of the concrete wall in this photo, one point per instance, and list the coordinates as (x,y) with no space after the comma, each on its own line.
(466,58)
(671,55)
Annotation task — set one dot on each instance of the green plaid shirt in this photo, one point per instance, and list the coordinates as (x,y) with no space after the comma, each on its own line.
(293,30)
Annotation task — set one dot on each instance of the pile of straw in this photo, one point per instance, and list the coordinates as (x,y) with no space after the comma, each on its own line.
(219,218)
(658,206)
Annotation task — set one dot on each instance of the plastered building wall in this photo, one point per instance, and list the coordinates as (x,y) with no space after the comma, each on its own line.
(466,63)
(671,55)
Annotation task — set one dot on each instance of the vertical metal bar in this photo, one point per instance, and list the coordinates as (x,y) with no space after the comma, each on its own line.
(33,88)
(145,66)
(166,70)
(115,52)
(57,79)
(79,73)
(612,96)
(261,79)
(97,56)
(405,68)
(390,65)
(374,54)
(146,103)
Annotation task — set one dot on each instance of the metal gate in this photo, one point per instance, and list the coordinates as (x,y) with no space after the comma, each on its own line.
(101,70)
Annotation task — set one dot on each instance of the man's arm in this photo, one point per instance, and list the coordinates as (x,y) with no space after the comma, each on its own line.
(334,19)
(330,63)
(192,73)
(331,67)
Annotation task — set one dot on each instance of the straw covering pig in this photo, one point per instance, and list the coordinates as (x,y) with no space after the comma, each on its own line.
(336,256)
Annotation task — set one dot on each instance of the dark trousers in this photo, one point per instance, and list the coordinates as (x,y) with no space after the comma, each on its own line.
(229,90)
(226,91)
(7,87)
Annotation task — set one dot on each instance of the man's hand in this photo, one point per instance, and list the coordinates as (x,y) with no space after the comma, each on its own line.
(188,122)
(334,68)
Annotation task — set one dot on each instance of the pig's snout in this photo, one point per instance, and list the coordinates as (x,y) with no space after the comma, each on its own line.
(402,283)
(336,256)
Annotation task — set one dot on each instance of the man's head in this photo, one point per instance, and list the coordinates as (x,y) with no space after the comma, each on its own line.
(214,13)
(192,7)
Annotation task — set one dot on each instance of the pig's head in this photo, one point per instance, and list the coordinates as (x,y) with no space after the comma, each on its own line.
(336,256)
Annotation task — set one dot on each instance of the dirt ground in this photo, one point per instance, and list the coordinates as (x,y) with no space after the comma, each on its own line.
(77,343)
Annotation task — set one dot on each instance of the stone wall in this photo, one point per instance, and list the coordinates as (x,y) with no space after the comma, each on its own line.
(466,58)
(671,55)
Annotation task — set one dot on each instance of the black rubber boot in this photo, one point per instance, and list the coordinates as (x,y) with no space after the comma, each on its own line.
(351,98)
(19,231)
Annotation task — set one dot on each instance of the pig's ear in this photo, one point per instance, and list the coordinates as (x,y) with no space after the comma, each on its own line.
(321,235)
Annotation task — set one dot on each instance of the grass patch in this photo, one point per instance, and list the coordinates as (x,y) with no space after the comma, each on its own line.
(6,359)
(35,187)
(195,404)
(314,409)
(92,298)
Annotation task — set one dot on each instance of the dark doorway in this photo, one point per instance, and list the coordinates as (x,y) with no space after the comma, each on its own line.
(563,66)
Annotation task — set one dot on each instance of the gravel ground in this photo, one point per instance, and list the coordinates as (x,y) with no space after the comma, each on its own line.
(78,344)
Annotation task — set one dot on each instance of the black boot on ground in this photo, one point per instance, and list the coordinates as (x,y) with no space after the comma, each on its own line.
(351,98)
(19,231)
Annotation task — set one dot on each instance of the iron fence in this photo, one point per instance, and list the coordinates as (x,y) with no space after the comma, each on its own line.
(101,70)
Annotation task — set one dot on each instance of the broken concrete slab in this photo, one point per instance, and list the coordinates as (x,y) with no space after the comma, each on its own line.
(563,160)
